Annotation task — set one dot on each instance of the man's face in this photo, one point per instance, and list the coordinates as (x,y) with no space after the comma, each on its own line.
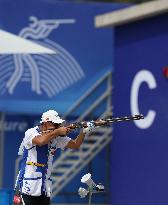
(52,126)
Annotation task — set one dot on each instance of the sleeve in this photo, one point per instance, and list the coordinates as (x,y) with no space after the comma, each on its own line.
(21,149)
(29,135)
(61,142)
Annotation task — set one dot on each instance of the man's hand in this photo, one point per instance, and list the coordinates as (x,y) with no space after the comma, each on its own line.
(62,131)
(90,128)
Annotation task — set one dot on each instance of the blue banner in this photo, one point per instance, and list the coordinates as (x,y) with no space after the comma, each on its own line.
(36,82)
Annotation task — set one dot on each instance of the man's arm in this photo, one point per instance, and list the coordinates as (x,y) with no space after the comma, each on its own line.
(76,143)
(45,138)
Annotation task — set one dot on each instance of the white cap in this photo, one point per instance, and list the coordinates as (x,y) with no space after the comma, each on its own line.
(51,116)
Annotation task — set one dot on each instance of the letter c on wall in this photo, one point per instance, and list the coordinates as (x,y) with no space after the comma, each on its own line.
(141,77)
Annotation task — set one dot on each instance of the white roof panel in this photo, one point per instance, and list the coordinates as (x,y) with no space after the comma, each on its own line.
(10,44)
(133,13)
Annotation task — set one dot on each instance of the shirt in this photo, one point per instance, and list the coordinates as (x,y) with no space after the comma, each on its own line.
(34,180)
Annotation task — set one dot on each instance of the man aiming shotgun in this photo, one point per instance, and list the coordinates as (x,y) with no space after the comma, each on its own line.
(33,184)
(38,148)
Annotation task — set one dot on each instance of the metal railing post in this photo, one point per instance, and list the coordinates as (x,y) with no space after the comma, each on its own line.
(2,118)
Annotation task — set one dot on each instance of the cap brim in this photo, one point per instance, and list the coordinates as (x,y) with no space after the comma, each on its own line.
(58,121)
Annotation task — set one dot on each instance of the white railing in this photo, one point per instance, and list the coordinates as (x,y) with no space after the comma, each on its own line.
(70,163)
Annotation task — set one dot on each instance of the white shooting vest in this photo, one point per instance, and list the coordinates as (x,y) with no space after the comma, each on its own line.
(34,179)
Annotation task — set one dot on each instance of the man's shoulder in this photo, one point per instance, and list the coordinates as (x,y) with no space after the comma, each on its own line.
(30,130)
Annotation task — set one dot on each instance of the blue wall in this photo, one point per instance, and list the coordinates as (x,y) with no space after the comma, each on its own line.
(139,151)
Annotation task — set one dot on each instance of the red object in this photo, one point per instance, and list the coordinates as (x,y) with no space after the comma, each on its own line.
(17,200)
(165,72)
